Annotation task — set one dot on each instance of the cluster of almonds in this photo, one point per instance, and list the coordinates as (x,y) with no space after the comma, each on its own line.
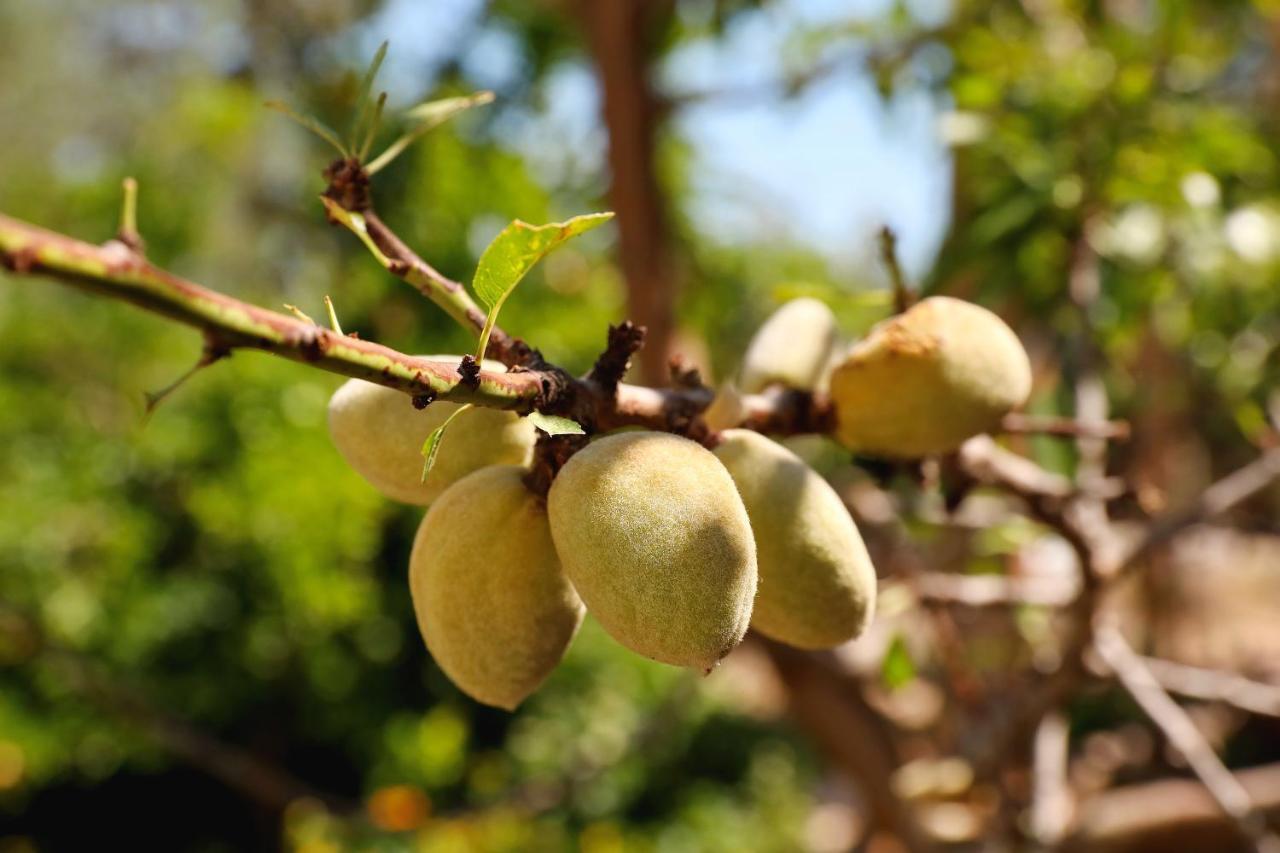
(675,548)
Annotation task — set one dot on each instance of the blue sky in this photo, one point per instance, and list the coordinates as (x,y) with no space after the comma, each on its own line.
(826,168)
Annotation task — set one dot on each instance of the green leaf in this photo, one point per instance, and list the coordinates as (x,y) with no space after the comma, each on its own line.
(360,126)
(897,668)
(311,123)
(428,116)
(555,425)
(371,132)
(513,253)
(432,445)
(435,113)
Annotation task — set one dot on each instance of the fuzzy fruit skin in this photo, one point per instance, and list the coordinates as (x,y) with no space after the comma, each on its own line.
(792,347)
(492,602)
(925,381)
(654,537)
(817,584)
(380,434)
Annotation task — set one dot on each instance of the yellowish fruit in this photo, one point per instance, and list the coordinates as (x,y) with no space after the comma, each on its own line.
(493,605)
(793,347)
(817,584)
(654,537)
(925,381)
(380,434)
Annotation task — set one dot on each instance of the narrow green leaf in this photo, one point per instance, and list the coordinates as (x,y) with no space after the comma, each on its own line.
(371,132)
(897,668)
(436,113)
(513,253)
(311,123)
(362,106)
(428,115)
(432,445)
(555,425)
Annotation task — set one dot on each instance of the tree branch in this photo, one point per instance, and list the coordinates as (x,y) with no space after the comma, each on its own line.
(116,271)
(1168,814)
(1223,496)
(622,36)
(1216,686)
(1226,790)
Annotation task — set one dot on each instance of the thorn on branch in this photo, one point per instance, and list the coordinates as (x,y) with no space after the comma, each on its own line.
(333,315)
(128,230)
(903,297)
(625,340)
(214,351)
(299,313)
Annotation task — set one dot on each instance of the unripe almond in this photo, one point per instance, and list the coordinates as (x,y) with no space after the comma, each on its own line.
(792,347)
(928,379)
(493,605)
(654,537)
(817,584)
(380,434)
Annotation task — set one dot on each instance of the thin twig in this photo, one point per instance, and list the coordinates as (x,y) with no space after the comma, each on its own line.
(1020,423)
(1182,733)
(903,296)
(113,270)
(127,233)
(1051,801)
(1157,815)
(1215,685)
(1221,497)
(996,590)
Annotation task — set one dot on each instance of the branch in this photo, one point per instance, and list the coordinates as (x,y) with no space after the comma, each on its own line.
(625,339)
(996,590)
(903,295)
(1019,423)
(116,271)
(1215,685)
(1169,814)
(1223,496)
(1226,790)
(622,36)
(831,707)
(1051,802)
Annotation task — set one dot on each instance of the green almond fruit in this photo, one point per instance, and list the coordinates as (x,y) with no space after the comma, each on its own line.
(380,435)
(817,584)
(494,607)
(793,347)
(654,537)
(926,380)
